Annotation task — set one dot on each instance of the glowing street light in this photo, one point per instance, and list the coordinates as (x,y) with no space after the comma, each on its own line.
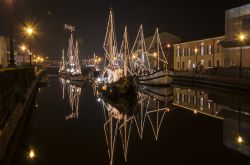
(23,48)
(155,54)
(29,30)
(31,154)
(240,139)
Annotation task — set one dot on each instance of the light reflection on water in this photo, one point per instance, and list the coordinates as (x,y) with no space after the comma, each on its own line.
(126,122)
(119,121)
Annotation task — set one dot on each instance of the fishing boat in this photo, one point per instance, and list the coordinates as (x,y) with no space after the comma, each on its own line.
(150,65)
(73,64)
(115,78)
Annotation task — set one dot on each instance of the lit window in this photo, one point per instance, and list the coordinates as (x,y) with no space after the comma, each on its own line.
(209,49)
(202,50)
(189,64)
(202,62)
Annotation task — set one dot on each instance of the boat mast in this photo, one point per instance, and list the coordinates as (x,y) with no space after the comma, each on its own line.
(158,50)
(124,52)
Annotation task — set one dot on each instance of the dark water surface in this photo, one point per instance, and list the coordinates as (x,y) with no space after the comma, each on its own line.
(192,125)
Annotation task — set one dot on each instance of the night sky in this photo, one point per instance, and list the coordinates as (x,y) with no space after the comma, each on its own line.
(188,19)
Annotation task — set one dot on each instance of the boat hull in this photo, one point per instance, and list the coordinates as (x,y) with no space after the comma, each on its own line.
(77,78)
(161,78)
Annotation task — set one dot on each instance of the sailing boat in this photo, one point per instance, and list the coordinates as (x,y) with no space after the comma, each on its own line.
(115,78)
(151,67)
(73,65)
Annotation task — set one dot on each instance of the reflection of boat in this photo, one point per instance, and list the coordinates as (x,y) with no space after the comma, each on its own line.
(63,83)
(120,116)
(159,93)
(74,93)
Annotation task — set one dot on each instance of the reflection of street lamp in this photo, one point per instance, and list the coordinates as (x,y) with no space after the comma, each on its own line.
(196,52)
(239,138)
(242,38)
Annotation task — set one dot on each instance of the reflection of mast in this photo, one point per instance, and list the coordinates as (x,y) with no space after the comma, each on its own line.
(63,86)
(125,133)
(74,94)
(140,117)
(111,128)
(156,121)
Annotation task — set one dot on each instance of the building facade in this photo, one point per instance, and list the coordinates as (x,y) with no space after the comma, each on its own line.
(199,55)
(4,51)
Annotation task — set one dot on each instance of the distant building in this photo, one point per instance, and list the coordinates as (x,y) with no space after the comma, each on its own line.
(4,51)
(167,41)
(237,22)
(202,54)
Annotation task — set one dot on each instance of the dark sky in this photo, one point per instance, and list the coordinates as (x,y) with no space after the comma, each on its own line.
(188,19)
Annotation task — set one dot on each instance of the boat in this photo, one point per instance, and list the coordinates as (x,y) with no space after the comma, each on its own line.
(150,65)
(115,78)
(73,64)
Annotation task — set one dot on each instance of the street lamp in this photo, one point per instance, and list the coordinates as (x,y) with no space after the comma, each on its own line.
(242,38)
(196,52)
(29,31)
(23,48)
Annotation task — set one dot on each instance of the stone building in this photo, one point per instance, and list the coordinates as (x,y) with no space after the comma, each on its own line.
(199,55)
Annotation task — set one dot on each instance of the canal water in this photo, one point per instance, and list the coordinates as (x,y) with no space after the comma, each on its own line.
(175,125)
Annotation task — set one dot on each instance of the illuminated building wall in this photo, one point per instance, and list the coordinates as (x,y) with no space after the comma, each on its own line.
(202,54)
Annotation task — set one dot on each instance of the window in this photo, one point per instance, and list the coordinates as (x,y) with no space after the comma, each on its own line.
(183,65)
(202,50)
(202,62)
(246,24)
(209,63)
(209,49)
(189,51)
(218,49)
(189,65)
(218,63)
(178,52)
(178,65)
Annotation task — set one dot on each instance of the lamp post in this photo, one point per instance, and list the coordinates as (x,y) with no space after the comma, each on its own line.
(242,38)
(196,52)
(29,31)
(23,48)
